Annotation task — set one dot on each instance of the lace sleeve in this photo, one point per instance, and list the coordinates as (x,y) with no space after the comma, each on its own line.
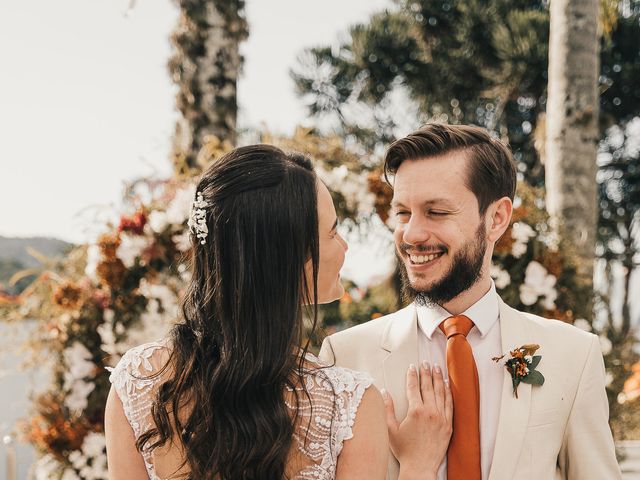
(335,396)
(350,387)
(134,379)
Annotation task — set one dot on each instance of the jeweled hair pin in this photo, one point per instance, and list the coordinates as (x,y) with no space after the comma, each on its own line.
(198,218)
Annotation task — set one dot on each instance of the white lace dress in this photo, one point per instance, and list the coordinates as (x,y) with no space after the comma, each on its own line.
(335,395)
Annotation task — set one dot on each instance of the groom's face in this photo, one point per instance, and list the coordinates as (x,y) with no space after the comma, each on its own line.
(440,236)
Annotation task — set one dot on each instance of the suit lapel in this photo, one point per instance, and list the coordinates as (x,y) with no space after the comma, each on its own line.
(401,341)
(515,331)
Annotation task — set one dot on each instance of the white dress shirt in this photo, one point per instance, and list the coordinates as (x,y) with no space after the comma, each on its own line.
(485,342)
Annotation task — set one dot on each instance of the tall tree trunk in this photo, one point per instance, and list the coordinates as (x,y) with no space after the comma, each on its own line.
(205,66)
(628,266)
(572,126)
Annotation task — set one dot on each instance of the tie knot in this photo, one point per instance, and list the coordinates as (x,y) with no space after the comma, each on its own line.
(456,325)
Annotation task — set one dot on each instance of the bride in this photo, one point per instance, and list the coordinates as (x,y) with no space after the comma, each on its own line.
(230,394)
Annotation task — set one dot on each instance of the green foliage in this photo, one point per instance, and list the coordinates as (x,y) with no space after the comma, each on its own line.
(461,62)
(471,61)
(619,184)
(619,245)
(620,71)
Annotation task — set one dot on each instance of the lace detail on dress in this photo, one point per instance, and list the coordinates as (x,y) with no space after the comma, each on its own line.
(328,421)
(134,381)
(322,427)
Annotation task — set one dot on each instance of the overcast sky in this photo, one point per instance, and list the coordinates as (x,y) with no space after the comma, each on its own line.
(86,102)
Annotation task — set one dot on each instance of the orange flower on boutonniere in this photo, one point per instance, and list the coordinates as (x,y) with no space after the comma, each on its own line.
(521,365)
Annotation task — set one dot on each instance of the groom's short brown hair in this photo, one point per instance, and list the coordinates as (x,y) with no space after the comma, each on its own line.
(491,172)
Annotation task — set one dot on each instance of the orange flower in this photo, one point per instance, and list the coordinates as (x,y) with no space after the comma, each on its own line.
(111,272)
(631,389)
(346,298)
(134,224)
(382,192)
(504,245)
(553,263)
(517,353)
(68,295)
(519,213)
(563,315)
(109,245)
(51,430)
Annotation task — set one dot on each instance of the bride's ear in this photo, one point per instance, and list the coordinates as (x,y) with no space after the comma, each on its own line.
(498,217)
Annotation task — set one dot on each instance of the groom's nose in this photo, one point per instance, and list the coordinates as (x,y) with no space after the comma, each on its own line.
(416,230)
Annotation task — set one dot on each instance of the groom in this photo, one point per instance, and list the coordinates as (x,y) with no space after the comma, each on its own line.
(452,201)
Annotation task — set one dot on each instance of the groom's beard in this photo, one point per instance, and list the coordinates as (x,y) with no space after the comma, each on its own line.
(465,271)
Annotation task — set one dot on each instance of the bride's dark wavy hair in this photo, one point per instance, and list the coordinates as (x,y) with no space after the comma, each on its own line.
(236,351)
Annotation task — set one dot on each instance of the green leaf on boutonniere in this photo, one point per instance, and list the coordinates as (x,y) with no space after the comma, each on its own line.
(535,361)
(521,366)
(534,378)
(515,382)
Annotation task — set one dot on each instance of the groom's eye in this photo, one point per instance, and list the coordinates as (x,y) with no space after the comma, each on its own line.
(437,213)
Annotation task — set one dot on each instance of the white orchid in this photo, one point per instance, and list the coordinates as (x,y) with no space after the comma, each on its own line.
(182,240)
(131,247)
(582,324)
(46,468)
(180,207)
(70,474)
(78,360)
(107,331)
(538,283)
(94,256)
(91,460)
(94,444)
(605,345)
(500,277)
(521,233)
(334,177)
(80,366)
(77,397)
(158,221)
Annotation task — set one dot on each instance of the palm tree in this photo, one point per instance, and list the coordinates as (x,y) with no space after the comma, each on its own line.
(572,125)
(205,67)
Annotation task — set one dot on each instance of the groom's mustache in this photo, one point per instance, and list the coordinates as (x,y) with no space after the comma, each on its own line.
(406,247)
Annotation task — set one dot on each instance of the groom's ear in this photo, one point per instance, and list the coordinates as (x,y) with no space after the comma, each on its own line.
(498,218)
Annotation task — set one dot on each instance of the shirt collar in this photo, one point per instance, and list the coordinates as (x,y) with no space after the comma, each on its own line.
(484,314)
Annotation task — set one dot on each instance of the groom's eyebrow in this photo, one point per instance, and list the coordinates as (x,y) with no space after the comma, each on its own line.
(439,201)
(335,225)
(435,201)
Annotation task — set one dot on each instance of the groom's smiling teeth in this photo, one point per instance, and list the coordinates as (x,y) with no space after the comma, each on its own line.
(421,259)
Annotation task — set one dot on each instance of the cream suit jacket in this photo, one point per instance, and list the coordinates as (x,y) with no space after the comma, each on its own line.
(555,431)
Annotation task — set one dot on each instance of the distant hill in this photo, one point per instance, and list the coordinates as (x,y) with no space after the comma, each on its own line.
(16,249)
(14,257)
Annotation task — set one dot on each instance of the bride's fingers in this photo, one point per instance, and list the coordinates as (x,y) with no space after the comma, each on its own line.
(448,403)
(389,409)
(426,383)
(413,387)
(390,414)
(438,388)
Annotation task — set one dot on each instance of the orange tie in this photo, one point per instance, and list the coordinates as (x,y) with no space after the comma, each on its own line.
(463,456)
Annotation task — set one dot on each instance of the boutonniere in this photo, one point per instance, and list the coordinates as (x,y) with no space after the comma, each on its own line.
(521,365)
